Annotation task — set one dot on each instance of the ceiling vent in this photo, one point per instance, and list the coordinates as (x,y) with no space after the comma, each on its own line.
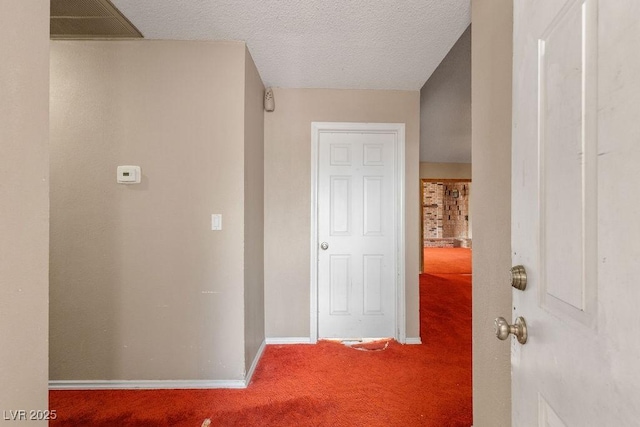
(89,19)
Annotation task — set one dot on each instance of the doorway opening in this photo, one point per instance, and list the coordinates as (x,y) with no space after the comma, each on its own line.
(445,219)
(446,269)
(446,222)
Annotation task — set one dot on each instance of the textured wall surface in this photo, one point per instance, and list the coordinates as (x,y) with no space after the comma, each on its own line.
(445,107)
(288,194)
(491,201)
(253,211)
(24,207)
(141,288)
(445,170)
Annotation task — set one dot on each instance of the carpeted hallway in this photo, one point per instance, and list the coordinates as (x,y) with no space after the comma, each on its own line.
(447,261)
(326,384)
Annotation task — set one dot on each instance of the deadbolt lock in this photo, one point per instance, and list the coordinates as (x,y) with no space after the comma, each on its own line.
(519,277)
(518,329)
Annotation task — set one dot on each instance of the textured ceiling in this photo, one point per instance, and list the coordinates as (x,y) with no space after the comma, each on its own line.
(342,44)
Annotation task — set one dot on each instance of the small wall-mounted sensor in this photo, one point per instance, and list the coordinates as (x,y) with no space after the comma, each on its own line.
(129,175)
(269,102)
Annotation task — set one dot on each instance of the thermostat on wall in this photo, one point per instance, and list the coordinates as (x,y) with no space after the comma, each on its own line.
(129,175)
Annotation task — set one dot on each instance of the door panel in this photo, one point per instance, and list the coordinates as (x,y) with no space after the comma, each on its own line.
(568,215)
(567,54)
(340,205)
(339,266)
(373,284)
(373,206)
(356,201)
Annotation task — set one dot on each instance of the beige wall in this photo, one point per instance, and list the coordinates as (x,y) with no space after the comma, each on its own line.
(288,201)
(253,211)
(24,205)
(141,288)
(445,107)
(429,170)
(491,199)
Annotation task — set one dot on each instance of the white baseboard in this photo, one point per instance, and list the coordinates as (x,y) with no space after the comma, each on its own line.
(247,378)
(288,340)
(144,384)
(158,384)
(413,341)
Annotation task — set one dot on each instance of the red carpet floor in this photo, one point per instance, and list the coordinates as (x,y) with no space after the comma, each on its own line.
(447,260)
(326,384)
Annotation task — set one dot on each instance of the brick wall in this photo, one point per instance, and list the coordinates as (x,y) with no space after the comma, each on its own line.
(445,213)
(432,202)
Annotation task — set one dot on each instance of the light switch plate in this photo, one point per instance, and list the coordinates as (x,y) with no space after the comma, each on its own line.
(216,222)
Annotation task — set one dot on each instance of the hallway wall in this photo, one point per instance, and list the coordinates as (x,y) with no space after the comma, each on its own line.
(445,107)
(141,287)
(253,211)
(491,200)
(431,170)
(288,199)
(24,206)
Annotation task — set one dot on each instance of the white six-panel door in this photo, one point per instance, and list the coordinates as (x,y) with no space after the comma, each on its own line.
(357,231)
(575,210)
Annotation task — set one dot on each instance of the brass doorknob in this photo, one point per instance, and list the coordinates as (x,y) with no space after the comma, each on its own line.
(518,329)
(519,277)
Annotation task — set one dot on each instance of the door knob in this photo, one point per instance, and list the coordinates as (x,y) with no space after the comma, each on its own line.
(324,246)
(518,329)
(519,277)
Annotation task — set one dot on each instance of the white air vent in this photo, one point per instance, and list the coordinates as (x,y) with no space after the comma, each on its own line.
(89,19)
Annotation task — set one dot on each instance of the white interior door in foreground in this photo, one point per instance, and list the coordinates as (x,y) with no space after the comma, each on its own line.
(576,209)
(357,231)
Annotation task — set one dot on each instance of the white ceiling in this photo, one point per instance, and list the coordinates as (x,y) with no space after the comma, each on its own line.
(341,44)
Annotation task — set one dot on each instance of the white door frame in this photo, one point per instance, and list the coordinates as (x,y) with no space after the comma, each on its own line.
(398,129)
